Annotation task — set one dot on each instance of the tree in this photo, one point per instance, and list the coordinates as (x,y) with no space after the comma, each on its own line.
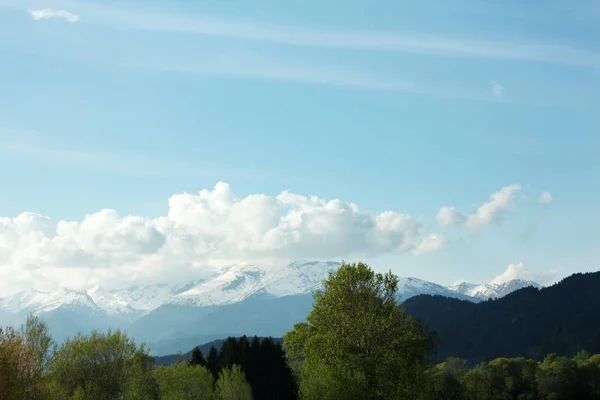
(197,358)
(18,369)
(182,382)
(229,353)
(37,337)
(357,333)
(232,385)
(102,366)
(212,362)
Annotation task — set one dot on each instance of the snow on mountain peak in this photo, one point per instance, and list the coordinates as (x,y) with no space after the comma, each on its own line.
(37,302)
(237,283)
(492,290)
(230,285)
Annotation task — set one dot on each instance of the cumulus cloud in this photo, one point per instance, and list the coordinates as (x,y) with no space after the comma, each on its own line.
(519,271)
(430,244)
(488,213)
(545,198)
(201,232)
(49,13)
(497,89)
(514,271)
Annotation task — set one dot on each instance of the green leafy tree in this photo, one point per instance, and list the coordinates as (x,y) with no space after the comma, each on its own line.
(560,378)
(18,369)
(232,385)
(357,333)
(182,382)
(36,337)
(102,366)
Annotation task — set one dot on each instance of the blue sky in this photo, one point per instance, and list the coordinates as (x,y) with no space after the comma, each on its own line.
(394,106)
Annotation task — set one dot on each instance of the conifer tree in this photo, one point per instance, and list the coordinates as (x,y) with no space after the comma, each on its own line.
(229,352)
(197,358)
(212,362)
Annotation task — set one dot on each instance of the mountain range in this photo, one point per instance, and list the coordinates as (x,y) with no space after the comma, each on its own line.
(237,300)
(531,322)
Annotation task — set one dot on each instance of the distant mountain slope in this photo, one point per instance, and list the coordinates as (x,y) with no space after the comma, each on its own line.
(410,287)
(529,322)
(205,348)
(237,300)
(491,290)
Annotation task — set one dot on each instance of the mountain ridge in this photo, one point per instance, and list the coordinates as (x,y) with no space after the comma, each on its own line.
(162,313)
(531,322)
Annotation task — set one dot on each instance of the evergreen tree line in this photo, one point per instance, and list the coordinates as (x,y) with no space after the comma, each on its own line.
(262,361)
(355,344)
(563,318)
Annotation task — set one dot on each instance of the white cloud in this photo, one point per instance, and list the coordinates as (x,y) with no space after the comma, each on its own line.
(497,89)
(201,232)
(545,198)
(430,244)
(48,13)
(488,213)
(519,271)
(514,271)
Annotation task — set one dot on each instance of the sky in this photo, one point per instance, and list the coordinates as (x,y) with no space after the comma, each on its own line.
(159,141)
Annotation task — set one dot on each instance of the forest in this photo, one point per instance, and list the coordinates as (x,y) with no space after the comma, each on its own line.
(563,318)
(357,343)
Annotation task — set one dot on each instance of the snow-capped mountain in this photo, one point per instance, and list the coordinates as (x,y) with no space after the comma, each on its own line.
(462,287)
(135,301)
(66,311)
(238,283)
(491,290)
(410,287)
(43,302)
(242,299)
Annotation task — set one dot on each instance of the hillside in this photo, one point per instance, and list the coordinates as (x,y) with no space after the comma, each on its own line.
(530,322)
(205,348)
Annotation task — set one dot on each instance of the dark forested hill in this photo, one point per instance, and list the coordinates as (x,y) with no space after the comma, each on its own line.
(563,319)
(205,348)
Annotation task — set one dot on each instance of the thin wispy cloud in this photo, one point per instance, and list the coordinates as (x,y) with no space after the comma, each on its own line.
(49,13)
(355,40)
(122,163)
(401,42)
(247,65)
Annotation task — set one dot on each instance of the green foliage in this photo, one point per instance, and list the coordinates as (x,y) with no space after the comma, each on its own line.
(18,370)
(232,385)
(356,344)
(357,335)
(37,337)
(183,382)
(102,366)
(320,381)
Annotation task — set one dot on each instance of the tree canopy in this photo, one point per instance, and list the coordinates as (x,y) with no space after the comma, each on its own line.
(356,335)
